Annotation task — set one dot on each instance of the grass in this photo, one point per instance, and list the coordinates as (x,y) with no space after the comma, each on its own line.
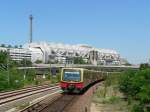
(108,96)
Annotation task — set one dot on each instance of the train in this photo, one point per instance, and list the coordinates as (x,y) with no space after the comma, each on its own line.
(75,80)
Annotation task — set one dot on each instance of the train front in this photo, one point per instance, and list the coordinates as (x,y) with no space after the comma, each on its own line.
(71,80)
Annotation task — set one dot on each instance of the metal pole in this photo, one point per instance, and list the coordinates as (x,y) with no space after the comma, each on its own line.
(24,70)
(31,18)
(50,71)
(8,66)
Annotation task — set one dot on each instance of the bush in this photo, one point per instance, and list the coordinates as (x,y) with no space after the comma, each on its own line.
(114,99)
(3,80)
(137,86)
(79,60)
(125,83)
(10,76)
(137,108)
(38,61)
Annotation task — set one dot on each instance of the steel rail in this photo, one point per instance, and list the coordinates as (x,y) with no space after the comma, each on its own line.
(25,89)
(10,99)
(40,105)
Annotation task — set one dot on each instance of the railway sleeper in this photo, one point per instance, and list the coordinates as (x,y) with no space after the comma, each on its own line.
(32,108)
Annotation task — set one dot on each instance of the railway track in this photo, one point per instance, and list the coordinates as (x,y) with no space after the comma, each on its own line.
(25,89)
(18,94)
(61,102)
(56,104)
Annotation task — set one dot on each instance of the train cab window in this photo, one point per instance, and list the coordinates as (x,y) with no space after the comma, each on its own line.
(71,75)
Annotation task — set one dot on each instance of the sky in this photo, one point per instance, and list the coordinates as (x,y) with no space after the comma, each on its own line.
(122,25)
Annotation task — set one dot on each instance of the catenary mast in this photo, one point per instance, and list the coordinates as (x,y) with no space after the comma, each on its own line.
(30,18)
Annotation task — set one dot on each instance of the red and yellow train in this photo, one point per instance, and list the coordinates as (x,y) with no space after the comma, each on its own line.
(77,79)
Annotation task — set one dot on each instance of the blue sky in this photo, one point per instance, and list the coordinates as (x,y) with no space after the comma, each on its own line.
(123,25)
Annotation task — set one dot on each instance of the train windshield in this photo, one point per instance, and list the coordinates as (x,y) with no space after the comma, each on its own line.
(72,75)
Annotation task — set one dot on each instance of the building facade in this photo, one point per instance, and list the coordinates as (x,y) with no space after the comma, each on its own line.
(17,54)
(64,53)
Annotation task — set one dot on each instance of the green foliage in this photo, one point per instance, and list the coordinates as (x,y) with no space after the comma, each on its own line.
(112,79)
(38,61)
(20,46)
(3,45)
(16,46)
(12,80)
(137,86)
(5,61)
(137,108)
(10,76)
(16,78)
(127,64)
(113,99)
(3,80)
(126,82)
(3,57)
(79,60)
(144,66)
(30,75)
(53,79)
(25,62)
(144,86)
(100,93)
(9,46)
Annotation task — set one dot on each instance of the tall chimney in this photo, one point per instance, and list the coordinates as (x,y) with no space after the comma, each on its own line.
(31,18)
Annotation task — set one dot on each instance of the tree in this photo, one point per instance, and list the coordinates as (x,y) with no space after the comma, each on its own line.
(38,61)
(9,46)
(144,66)
(10,76)
(79,60)
(3,80)
(16,78)
(126,82)
(2,45)
(136,85)
(3,57)
(30,74)
(16,46)
(20,46)
(127,64)
(25,62)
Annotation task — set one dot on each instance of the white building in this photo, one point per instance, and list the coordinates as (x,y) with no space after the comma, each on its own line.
(17,54)
(62,53)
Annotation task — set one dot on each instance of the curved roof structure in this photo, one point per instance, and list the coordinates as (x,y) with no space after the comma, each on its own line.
(79,50)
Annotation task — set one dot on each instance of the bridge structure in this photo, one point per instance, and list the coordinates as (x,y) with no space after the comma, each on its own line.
(45,68)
